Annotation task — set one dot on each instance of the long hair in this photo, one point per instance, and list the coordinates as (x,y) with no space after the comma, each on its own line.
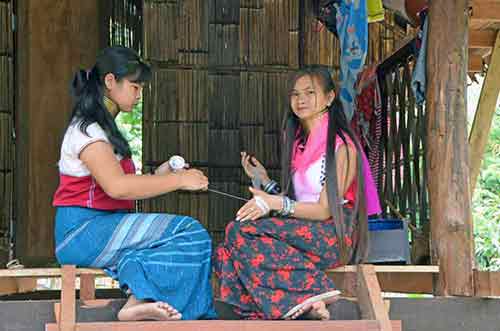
(88,92)
(337,126)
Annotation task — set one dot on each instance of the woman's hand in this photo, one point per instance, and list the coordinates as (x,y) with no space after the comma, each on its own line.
(165,169)
(192,180)
(253,168)
(261,204)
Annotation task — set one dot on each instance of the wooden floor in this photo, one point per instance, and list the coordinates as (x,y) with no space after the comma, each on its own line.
(429,314)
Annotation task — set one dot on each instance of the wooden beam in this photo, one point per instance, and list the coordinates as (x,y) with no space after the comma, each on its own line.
(475,63)
(487,283)
(370,297)
(481,125)
(482,38)
(56,38)
(215,325)
(447,151)
(485,11)
(87,287)
(67,312)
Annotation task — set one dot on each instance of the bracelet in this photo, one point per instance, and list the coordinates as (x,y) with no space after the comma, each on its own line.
(288,208)
(262,205)
(272,187)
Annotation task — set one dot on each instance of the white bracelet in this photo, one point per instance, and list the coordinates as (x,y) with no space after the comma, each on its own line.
(262,204)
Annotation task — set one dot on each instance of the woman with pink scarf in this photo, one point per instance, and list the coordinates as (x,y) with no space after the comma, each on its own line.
(271,263)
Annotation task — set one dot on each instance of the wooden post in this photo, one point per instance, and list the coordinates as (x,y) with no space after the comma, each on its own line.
(370,297)
(447,151)
(87,287)
(67,314)
(484,115)
(54,39)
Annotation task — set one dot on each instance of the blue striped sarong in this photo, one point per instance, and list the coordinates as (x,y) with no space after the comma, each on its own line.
(159,257)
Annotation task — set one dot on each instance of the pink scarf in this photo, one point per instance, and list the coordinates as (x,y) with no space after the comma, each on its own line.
(315,148)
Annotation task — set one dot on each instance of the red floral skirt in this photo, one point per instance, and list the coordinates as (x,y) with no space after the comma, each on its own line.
(268,266)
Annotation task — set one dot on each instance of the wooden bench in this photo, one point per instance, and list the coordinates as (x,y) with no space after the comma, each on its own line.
(364,277)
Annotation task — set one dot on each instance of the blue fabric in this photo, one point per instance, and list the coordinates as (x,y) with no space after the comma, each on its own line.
(352,29)
(159,257)
(419,77)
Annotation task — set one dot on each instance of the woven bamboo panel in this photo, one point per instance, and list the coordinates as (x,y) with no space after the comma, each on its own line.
(220,86)
(125,23)
(6,84)
(5,27)
(192,35)
(7,152)
(6,143)
(161,31)
(224,101)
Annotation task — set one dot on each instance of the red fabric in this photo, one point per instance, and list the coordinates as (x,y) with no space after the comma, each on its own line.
(86,192)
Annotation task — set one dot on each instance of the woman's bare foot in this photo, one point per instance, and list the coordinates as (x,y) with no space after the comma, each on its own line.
(136,310)
(314,311)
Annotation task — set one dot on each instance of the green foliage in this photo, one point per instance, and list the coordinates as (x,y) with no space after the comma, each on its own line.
(486,203)
(130,124)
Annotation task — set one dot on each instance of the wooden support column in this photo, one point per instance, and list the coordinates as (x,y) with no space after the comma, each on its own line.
(447,148)
(486,107)
(55,38)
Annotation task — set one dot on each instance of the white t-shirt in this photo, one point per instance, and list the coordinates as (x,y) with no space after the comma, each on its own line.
(73,143)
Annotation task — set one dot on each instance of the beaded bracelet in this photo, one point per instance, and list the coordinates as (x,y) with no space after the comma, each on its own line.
(288,208)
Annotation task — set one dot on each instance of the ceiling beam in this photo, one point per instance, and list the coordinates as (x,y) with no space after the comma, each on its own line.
(484,11)
(475,63)
(483,118)
(482,38)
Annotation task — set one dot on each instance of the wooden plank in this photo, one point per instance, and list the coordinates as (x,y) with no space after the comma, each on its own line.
(486,283)
(482,38)
(68,296)
(47,272)
(407,282)
(8,285)
(57,272)
(475,63)
(370,297)
(485,11)
(481,125)
(87,287)
(447,149)
(232,325)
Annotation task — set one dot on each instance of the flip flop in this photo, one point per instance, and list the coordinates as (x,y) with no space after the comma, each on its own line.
(311,300)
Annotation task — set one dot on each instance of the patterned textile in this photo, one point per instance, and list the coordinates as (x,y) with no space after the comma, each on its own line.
(157,257)
(352,29)
(268,266)
(367,120)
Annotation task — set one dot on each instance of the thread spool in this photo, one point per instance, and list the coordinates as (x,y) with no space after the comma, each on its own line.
(176,163)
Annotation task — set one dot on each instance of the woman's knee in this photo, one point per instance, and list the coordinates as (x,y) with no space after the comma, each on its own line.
(232,231)
(202,232)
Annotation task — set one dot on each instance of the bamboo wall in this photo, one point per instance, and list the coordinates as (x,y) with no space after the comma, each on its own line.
(7,151)
(220,87)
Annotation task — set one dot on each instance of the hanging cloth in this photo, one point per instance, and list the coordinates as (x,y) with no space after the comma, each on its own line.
(419,77)
(376,11)
(352,29)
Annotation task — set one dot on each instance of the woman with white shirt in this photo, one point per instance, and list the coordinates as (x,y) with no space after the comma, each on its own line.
(161,261)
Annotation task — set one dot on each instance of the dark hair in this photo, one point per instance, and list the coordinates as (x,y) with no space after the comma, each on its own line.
(88,92)
(337,125)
